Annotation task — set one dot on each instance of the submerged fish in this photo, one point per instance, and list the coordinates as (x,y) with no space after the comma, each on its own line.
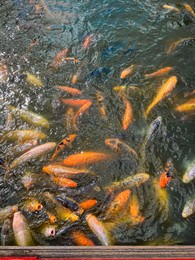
(33,80)
(159,72)
(30,117)
(172,8)
(87,41)
(98,229)
(22,147)
(189,9)
(100,100)
(72,91)
(64,182)
(120,146)
(32,205)
(164,179)
(6,233)
(22,233)
(86,158)
(187,106)
(23,135)
(163,91)
(3,72)
(79,113)
(128,114)
(189,208)
(48,230)
(88,204)
(75,103)
(178,43)
(128,71)
(35,152)
(80,239)
(189,174)
(29,179)
(65,143)
(58,59)
(134,210)
(69,117)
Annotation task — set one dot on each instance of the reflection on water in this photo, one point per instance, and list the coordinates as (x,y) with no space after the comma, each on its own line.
(39,41)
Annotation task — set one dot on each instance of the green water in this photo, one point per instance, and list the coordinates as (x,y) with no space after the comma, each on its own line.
(124,33)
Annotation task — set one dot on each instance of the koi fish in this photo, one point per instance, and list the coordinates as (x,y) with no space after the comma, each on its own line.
(124,88)
(79,113)
(172,8)
(3,72)
(69,117)
(71,58)
(87,41)
(72,91)
(118,146)
(178,43)
(75,102)
(189,174)
(128,71)
(159,72)
(64,182)
(7,233)
(134,210)
(187,106)
(62,171)
(100,100)
(21,230)
(163,91)
(23,135)
(65,143)
(88,204)
(29,179)
(30,117)
(32,205)
(74,79)
(128,115)
(35,152)
(129,182)
(189,9)
(69,203)
(7,212)
(51,217)
(162,196)
(86,158)
(48,230)
(98,229)
(189,208)
(33,80)
(164,179)
(80,239)
(9,121)
(58,59)
(22,147)
(118,204)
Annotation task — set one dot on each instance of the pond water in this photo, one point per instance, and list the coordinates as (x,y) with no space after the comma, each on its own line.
(120,33)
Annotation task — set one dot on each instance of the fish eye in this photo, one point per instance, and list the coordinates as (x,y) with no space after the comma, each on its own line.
(68,140)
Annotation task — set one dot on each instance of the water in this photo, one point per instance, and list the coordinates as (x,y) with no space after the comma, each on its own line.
(124,33)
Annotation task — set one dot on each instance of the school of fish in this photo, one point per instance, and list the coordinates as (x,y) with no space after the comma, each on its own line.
(65,208)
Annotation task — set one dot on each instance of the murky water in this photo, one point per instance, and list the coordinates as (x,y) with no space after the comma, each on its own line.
(123,33)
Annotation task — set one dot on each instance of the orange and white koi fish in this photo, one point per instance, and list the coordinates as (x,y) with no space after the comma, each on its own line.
(163,91)
(172,8)
(79,113)
(171,48)
(72,59)
(128,115)
(189,9)
(159,72)
(164,179)
(128,71)
(80,239)
(87,41)
(75,102)
(187,106)
(86,158)
(72,91)
(65,143)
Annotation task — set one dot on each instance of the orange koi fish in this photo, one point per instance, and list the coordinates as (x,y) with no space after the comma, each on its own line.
(172,8)
(88,204)
(58,59)
(159,72)
(80,239)
(100,100)
(75,102)
(72,91)
(65,143)
(3,72)
(79,113)
(189,9)
(118,204)
(52,218)
(128,71)
(163,91)
(134,210)
(187,106)
(64,182)
(71,58)
(86,158)
(87,41)
(128,115)
(164,179)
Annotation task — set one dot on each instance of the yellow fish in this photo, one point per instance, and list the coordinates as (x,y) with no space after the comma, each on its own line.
(33,80)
